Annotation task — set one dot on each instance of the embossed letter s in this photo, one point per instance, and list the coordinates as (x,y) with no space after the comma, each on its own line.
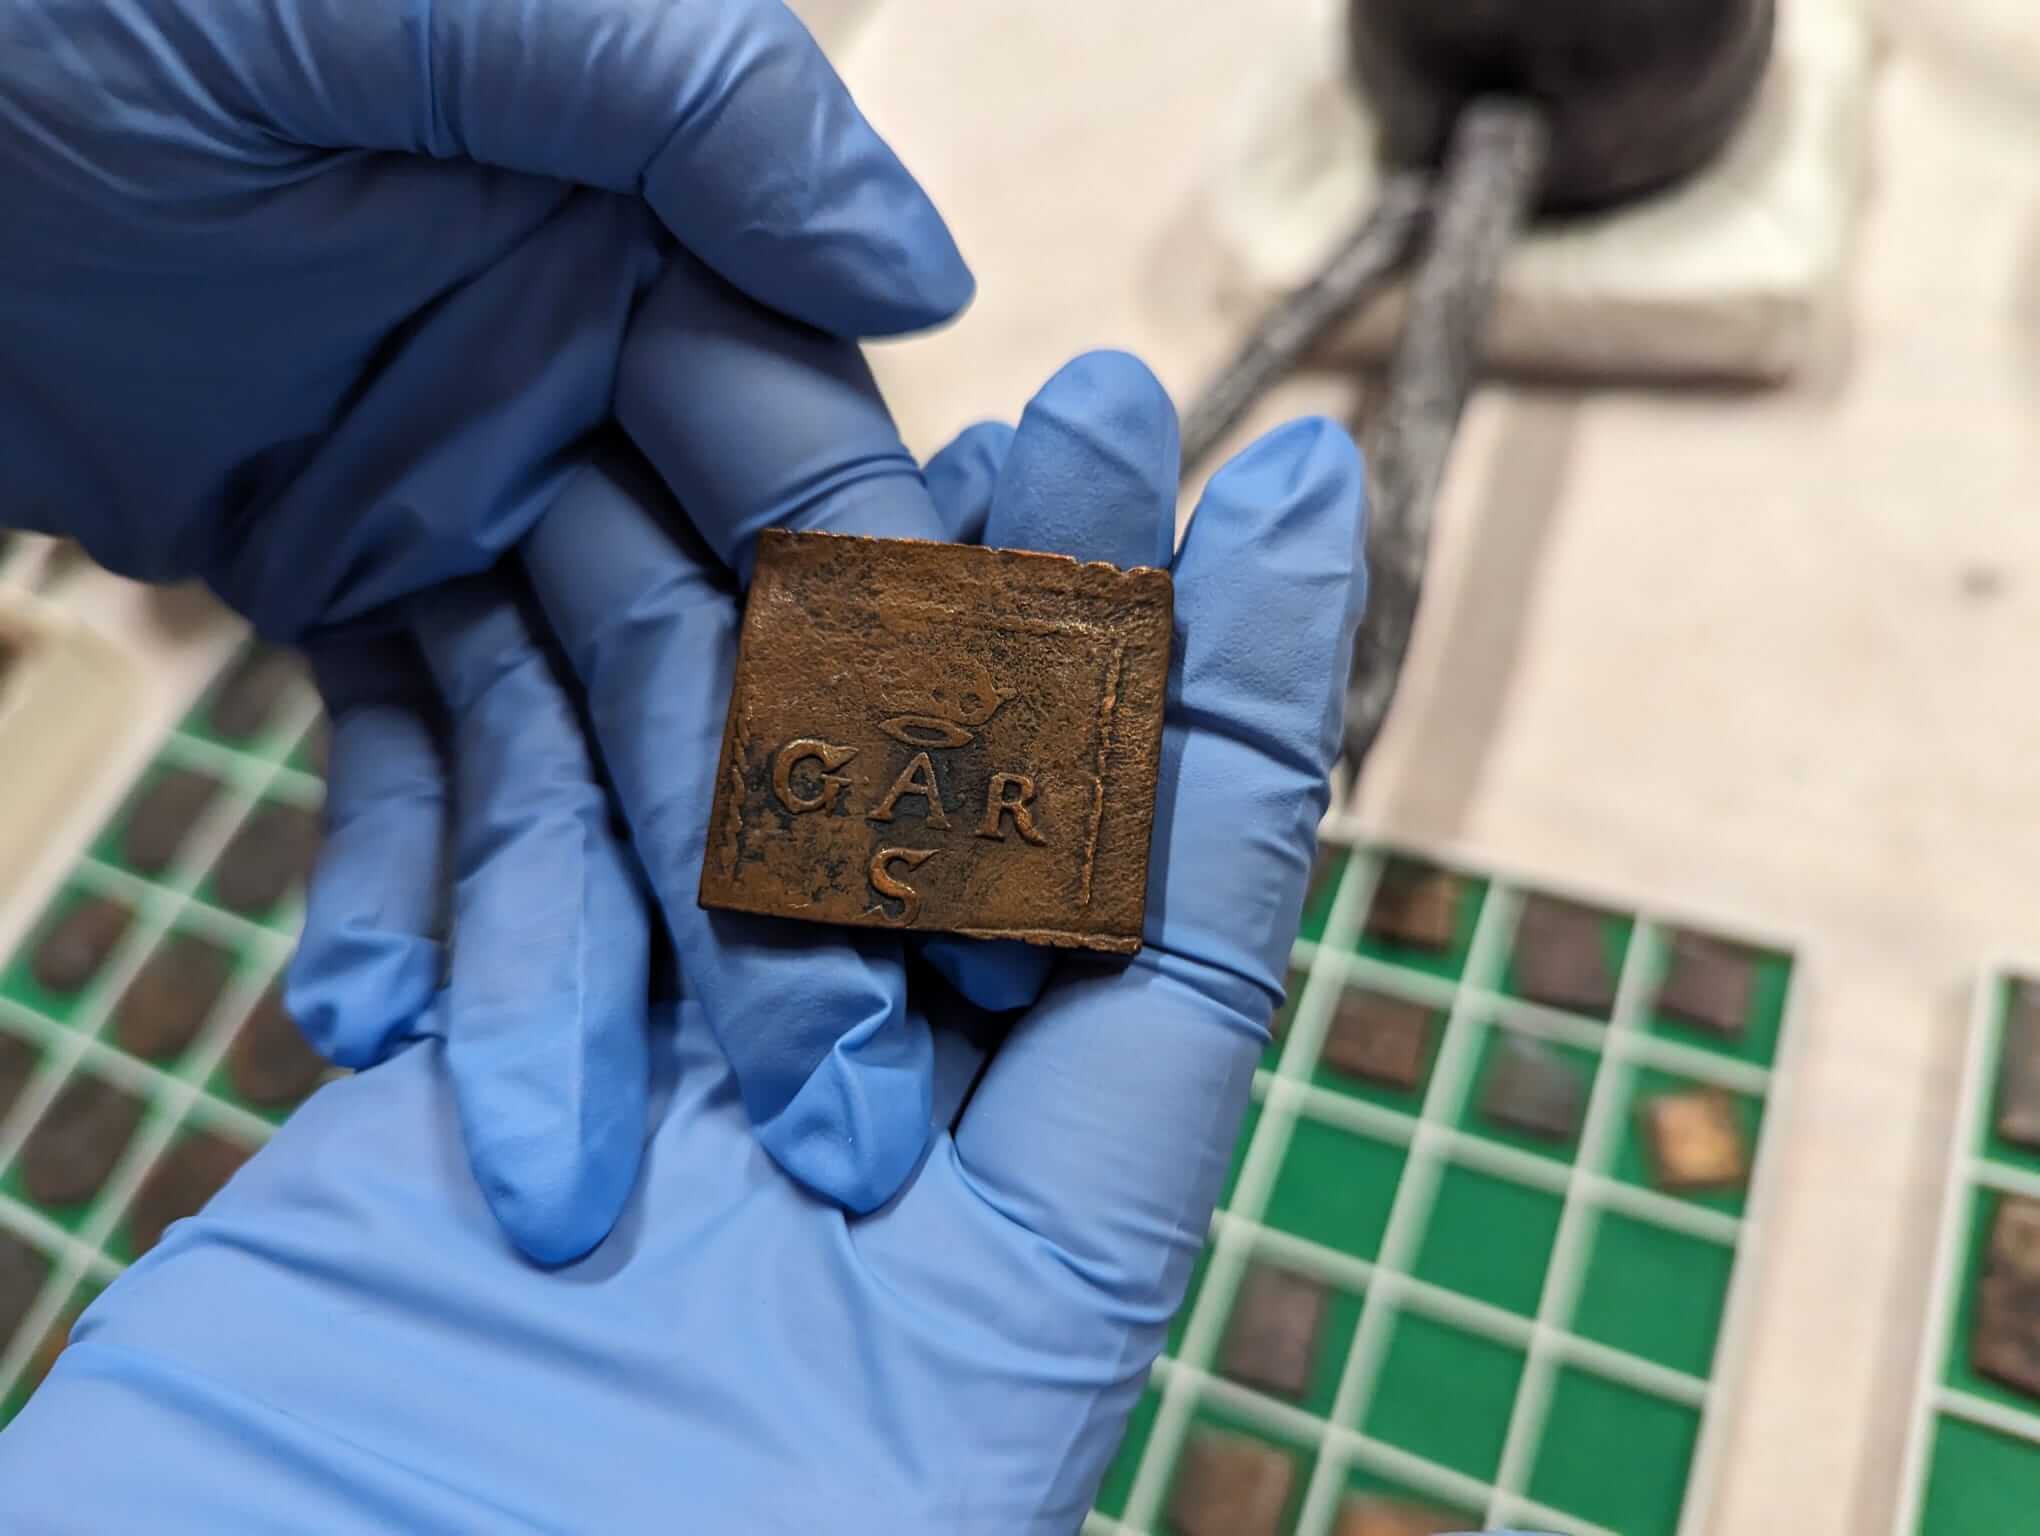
(887,885)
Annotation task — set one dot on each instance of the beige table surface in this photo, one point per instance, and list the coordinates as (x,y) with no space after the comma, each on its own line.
(1769,656)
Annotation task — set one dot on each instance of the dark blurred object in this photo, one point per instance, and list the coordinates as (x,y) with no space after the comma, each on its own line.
(71,953)
(188,1175)
(1493,169)
(166,1004)
(80,1137)
(1373,253)
(1636,93)
(270,1063)
(248,700)
(271,854)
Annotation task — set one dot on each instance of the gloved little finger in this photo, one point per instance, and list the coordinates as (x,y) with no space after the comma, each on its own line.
(370,957)
(546,1035)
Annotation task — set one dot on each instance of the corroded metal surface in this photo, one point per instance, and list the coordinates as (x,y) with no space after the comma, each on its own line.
(2006,1340)
(1696,1140)
(937,737)
(1272,1340)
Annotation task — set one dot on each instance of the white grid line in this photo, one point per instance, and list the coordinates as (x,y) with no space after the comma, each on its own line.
(1600,1136)
(1409,1212)
(41,1233)
(1251,1191)
(1703,1478)
(1999,1177)
(197,914)
(1958,1199)
(1331,1441)
(148,1079)
(159,908)
(1407,1293)
(1364,1117)
(2002,1417)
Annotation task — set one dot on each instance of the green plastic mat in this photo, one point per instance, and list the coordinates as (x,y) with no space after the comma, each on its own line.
(1521,1331)
(170,1091)
(1973,1464)
(1518,1331)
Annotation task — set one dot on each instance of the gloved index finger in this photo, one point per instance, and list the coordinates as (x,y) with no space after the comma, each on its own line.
(769,423)
(725,117)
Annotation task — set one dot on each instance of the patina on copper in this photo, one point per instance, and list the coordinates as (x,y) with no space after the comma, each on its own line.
(939,737)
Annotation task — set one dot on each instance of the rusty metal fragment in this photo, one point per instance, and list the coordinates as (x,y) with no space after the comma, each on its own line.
(1272,1339)
(1374,1515)
(2018,1095)
(1380,1038)
(1231,1485)
(1696,1140)
(1415,906)
(939,737)
(1709,985)
(2005,1343)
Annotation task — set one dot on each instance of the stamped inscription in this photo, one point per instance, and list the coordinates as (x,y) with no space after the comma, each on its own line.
(942,737)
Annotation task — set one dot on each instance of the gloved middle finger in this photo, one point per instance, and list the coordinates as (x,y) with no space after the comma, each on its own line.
(755,421)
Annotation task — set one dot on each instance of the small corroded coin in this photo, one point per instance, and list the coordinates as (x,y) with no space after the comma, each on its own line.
(246,700)
(1230,1485)
(1708,984)
(1371,1515)
(270,1063)
(162,818)
(163,1007)
(1535,1089)
(1560,957)
(272,853)
(73,949)
(190,1174)
(23,1270)
(937,737)
(1380,1038)
(18,1059)
(2018,1095)
(77,1141)
(1272,1340)
(1696,1140)
(1416,907)
(2005,1341)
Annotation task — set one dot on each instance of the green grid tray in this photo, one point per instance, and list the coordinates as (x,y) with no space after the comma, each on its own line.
(1973,1460)
(1518,1335)
(72,1037)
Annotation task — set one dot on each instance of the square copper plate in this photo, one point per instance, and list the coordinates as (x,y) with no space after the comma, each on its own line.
(941,737)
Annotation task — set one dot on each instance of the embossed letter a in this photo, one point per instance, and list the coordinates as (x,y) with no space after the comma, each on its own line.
(917,778)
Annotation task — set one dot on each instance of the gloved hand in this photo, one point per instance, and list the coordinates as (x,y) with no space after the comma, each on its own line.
(343,1342)
(320,301)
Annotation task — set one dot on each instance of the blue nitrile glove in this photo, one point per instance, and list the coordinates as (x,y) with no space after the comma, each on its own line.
(343,1342)
(320,301)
